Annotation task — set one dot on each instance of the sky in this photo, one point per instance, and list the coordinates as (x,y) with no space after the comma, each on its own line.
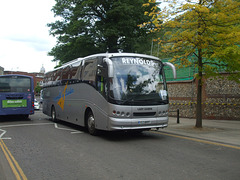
(24,35)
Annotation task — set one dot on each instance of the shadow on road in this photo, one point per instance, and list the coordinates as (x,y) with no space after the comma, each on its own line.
(13,118)
(129,135)
(114,135)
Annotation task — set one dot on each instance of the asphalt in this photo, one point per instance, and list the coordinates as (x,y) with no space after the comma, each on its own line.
(219,131)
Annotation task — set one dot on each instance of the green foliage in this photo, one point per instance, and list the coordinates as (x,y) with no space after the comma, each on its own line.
(208,29)
(38,89)
(87,27)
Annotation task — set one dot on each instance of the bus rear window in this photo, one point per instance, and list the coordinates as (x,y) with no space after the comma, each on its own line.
(15,84)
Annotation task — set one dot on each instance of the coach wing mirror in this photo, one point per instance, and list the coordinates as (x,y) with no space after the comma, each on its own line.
(110,67)
(172,67)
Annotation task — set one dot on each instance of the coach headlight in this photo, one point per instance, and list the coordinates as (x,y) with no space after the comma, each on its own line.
(162,113)
(120,113)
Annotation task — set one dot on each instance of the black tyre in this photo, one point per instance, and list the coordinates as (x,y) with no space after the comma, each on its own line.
(53,114)
(91,124)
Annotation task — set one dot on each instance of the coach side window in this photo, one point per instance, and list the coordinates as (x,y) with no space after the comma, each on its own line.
(75,70)
(89,71)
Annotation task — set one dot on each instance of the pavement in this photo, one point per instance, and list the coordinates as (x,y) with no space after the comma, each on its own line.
(219,131)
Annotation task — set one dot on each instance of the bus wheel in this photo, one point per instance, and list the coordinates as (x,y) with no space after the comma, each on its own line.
(53,114)
(91,124)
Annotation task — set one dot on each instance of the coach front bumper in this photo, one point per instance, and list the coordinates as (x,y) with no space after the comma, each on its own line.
(137,123)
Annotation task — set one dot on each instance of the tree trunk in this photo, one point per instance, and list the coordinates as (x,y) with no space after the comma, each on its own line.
(199,104)
(199,91)
(200,75)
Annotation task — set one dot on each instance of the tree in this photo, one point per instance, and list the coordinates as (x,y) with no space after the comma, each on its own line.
(86,27)
(207,29)
(38,88)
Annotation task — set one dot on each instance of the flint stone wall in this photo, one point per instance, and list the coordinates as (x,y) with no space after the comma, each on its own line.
(220,98)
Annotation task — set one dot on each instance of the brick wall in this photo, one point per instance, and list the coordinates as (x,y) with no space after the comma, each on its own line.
(221,98)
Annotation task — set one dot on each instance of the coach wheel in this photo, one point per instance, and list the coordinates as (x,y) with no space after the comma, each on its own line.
(91,124)
(53,114)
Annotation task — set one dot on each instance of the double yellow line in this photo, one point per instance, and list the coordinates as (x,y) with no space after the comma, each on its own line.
(12,162)
(197,140)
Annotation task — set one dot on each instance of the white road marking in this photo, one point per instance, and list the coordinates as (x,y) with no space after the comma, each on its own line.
(77,132)
(19,125)
(3,132)
(35,124)
(66,129)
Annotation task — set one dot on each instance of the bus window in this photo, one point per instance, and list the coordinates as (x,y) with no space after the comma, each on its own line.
(15,84)
(77,72)
(58,75)
(89,71)
(65,73)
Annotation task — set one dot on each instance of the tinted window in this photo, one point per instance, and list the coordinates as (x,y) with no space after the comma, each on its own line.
(89,71)
(15,84)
